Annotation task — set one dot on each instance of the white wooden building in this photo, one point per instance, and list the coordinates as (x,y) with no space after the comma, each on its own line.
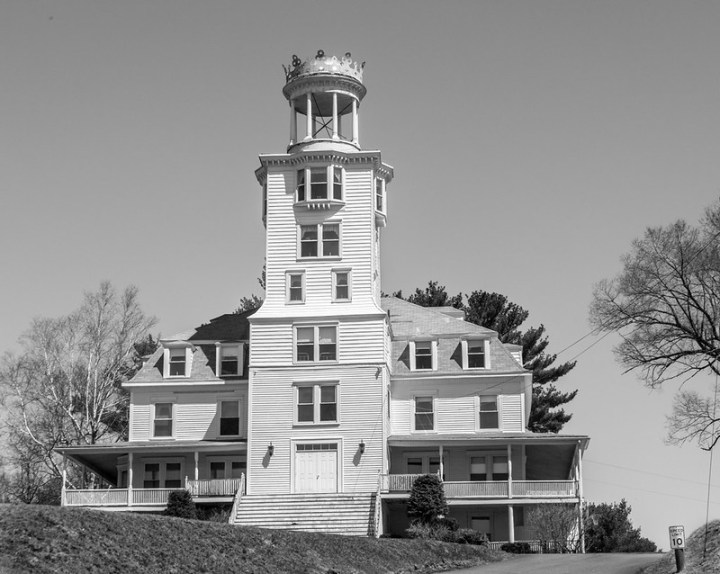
(318,410)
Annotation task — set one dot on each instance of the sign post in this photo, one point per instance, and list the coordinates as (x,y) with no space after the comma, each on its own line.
(677,543)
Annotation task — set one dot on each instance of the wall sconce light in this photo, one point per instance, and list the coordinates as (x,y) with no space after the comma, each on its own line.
(271,449)
(361,446)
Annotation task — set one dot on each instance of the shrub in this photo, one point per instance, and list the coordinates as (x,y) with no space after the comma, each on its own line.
(516,548)
(219,514)
(469,536)
(427,499)
(449,522)
(428,531)
(180,504)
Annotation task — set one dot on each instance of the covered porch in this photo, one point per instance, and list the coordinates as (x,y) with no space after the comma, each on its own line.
(140,476)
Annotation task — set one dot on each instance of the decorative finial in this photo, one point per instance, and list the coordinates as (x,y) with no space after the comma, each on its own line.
(320,54)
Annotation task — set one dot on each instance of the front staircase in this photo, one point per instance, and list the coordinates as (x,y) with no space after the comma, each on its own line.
(347,514)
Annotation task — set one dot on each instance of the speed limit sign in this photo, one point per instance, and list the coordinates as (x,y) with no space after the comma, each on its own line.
(677,537)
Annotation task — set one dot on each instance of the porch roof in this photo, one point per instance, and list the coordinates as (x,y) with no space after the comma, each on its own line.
(102,458)
(484,438)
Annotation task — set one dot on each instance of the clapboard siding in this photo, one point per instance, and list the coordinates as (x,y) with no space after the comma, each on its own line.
(360,393)
(456,404)
(360,341)
(356,218)
(195,416)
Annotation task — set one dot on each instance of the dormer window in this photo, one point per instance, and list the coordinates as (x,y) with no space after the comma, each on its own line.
(319,186)
(476,354)
(229,359)
(177,361)
(423,355)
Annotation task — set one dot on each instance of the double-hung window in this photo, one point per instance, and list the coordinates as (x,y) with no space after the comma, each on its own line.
(489,467)
(488,415)
(316,343)
(341,285)
(229,418)
(229,359)
(157,474)
(422,355)
(319,184)
(321,240)
(163,420)
(424,414)
(316,403)
(379,199)
(295,286)
(476,354)
(177,362)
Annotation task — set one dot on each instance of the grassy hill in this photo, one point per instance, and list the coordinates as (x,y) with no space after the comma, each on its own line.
(44,539)
(695,563)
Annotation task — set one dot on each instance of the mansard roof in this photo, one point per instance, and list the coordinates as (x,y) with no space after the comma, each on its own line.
(227,327)
(410,321)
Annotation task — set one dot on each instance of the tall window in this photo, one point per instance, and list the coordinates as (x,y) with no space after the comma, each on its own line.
(318,183)
(341,285)
(295,284)
(316,343)
(172,475)
(424,414)
(478,468)
(317,403)
(489,416)
(178,362)
(476,354)
(379,184)
(151,477)
(322,240)
(301,185)
(163,421)
(500,467)
(229,418)
(229,360)
(423,355)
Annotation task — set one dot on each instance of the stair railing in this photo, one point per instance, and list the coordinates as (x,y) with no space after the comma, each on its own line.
(236,500)
(378,507)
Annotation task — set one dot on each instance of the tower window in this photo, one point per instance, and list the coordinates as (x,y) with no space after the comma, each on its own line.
(295,284)
(379,203)
(315,343)
(325,183)
(322,240)
(341,285)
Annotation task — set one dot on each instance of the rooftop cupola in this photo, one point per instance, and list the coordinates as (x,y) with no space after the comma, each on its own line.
(326,92)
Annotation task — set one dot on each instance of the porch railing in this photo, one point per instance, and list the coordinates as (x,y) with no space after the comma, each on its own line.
(213,487)
(473,488)
(488,489)
(151,496)
(96,497)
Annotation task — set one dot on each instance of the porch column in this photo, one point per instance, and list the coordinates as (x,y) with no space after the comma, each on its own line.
(511,524)
(578,477)
(130,479)
(442,466)
(197,471)
(509,457)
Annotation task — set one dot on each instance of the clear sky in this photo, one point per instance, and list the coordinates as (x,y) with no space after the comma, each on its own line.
(532,141)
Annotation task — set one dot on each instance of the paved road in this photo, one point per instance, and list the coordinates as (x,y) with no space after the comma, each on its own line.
(567,564)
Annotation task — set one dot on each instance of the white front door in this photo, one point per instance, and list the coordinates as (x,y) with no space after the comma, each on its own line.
(316,467)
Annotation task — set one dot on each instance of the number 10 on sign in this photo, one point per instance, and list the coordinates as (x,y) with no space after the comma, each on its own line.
(677,537)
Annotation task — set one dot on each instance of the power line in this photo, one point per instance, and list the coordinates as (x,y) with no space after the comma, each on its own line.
(676,478)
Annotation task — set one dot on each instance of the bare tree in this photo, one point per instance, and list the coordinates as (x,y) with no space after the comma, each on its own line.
(64,388)
(665,304)
(555,525)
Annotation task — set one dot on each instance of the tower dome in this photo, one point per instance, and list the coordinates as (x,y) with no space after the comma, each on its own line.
(327,91)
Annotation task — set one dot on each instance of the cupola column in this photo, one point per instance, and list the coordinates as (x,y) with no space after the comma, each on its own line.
(356,139)
(309,116)
(335,117)
(293,123)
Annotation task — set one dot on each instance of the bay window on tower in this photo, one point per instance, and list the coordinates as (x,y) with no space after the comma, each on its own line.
(319,184)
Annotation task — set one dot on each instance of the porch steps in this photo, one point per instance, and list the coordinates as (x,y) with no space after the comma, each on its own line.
(347,514)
